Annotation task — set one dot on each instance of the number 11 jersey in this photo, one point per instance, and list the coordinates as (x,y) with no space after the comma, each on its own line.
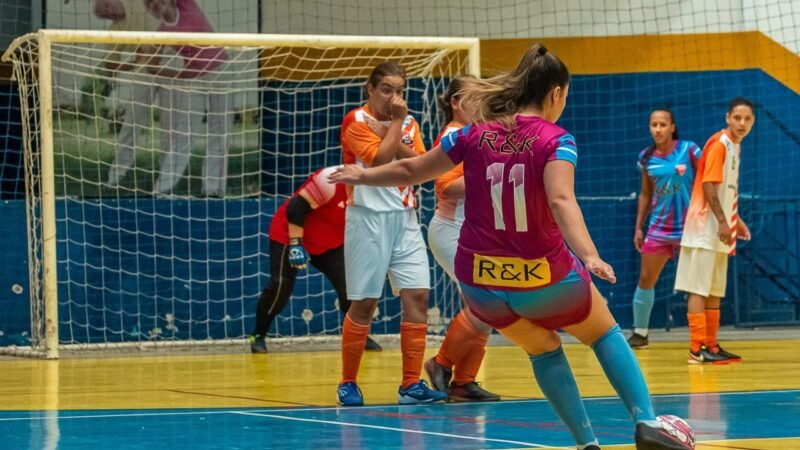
(510,240)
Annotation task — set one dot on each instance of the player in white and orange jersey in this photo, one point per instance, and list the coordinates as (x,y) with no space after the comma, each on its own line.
(464,345)
(710,232)
(383,236)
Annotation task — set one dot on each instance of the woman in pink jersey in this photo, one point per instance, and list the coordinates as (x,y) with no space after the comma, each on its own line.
(515,269)
(203,71)
(464,346)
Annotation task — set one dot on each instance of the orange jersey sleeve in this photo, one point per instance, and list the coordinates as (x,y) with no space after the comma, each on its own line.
(444,181)
(359,140)
(714,156)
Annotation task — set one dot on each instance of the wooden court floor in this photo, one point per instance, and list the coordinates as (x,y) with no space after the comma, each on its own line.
(287,400)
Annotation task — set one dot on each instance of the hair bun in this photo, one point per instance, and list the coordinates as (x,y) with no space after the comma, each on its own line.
(542,50)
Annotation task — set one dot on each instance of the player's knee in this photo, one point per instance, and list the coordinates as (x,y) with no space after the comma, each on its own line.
(542,343)
(361,311)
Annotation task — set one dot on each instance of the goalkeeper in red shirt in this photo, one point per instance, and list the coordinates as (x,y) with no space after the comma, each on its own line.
(308,227)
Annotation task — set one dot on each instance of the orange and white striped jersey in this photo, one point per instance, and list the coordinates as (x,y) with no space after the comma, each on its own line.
(360,145)
(719,164)
(449,208)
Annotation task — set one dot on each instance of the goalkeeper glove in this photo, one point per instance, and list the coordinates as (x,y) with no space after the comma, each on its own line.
(298,257)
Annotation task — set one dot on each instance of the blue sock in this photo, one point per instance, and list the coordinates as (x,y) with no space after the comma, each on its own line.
(555,379)
(622,370)
(643,300)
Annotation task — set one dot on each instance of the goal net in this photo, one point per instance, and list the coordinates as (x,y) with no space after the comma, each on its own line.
(151,181)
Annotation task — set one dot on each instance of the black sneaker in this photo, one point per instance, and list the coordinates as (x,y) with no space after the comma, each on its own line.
(592,447)
(638,341)
(258,344)
(439,376)
(732,357)
(471,392)
(657,438)
(372,346)
(706,356)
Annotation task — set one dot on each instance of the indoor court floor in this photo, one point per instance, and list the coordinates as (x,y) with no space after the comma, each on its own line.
(287,400)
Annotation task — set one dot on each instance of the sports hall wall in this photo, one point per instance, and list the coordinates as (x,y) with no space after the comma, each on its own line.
(695,56)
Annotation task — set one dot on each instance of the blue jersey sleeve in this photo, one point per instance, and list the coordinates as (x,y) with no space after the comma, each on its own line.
(566,150)
(696,152)
(639,159)
(454,144)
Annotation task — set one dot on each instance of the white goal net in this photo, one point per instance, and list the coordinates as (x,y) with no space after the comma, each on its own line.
(150,188)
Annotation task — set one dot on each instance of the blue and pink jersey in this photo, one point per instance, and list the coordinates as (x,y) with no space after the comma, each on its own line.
(672,175)
(509,240)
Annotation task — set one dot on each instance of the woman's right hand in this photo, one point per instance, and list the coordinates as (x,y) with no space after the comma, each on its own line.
(638,240)
(398,108)
(600,269)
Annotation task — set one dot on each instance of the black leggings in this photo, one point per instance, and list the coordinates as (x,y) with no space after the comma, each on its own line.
(282,278)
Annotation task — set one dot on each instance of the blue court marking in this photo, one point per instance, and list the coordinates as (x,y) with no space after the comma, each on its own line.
(503,425)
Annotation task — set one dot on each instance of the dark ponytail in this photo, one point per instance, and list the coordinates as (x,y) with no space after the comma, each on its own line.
(454,91)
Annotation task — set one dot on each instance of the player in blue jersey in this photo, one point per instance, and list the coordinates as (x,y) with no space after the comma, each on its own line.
(668,167)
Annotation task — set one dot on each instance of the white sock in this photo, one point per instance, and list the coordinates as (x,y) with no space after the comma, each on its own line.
(640,331)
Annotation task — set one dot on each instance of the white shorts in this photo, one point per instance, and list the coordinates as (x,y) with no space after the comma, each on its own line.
(381,243)
(702,272)
(443,241)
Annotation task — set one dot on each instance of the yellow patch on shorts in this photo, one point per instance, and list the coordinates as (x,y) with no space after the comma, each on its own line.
(510,272)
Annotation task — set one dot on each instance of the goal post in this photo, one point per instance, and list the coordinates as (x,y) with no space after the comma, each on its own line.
(114,262)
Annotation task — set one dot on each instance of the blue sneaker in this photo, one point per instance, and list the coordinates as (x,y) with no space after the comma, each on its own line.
(419,392)
(349,394)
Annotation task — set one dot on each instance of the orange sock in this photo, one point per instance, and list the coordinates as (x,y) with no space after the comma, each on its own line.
(452,350)
(354,336)
(697,330)
(466,348)
(412,344)
(467,369)
(712,326)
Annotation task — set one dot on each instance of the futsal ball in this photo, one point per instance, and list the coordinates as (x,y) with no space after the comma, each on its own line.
(678,427)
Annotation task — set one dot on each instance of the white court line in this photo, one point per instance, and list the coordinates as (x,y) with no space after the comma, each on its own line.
(402,430)
(361,408)
(510,401)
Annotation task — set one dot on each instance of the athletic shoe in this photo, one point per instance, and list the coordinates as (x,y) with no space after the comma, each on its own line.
(419,392)
(348,394)
(258,344)
(657,438)
(638,341)
(438,374)
(732,357)
(372,346)
(471,392)
(592,447)
(706,356)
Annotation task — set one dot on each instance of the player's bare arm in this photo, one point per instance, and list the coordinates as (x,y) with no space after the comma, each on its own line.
(381,130)
(559,182)
(405,172)
(643,209)
(391,143)
(710,192)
